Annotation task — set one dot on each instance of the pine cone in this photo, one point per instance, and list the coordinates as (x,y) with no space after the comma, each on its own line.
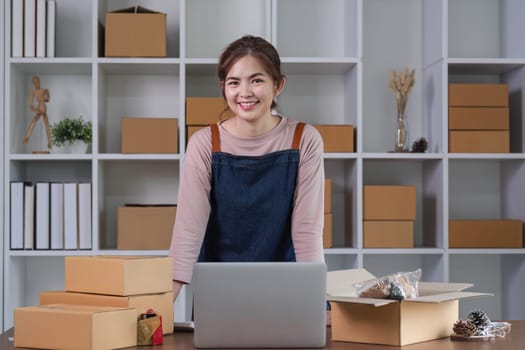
(465,328)
(480,319)
(419,146)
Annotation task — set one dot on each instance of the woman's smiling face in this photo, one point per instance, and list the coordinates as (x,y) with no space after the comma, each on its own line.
(249,89)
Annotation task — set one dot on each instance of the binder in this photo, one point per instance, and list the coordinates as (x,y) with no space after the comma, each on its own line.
(57,215)
(17,35)
(29,28)
(51,28)
(84,216)
(29,215)
(42,215)
(41,28)
(70,216)
(17,215)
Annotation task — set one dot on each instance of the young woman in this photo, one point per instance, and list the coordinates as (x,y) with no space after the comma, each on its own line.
(252,186)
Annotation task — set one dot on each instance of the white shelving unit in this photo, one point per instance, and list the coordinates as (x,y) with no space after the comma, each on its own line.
(336,55)
(2,55)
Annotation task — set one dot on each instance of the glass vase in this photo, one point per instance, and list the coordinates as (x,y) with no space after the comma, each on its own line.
(401,144)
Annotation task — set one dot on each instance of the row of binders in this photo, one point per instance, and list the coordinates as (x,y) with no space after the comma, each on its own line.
(34,28)
(50,215)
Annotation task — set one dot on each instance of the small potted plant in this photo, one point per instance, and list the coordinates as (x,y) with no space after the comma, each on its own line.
(72,134)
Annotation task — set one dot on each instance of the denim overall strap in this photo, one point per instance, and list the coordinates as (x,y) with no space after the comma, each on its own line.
(252,201)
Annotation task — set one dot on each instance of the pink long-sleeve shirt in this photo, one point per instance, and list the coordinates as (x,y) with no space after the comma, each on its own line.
(194,208)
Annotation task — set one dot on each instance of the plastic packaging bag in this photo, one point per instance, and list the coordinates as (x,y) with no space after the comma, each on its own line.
(149,328)
(398,286)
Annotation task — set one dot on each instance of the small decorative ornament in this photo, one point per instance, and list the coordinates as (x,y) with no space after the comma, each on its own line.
(419,146)
(478,327)
(41,97)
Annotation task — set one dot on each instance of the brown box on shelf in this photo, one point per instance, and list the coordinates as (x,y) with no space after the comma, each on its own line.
(118,275)
(145,227)
(75,327)
(392,322)
(388,234)
(389,202)
(135,32)
(149,135)
(206,110)
(478,118)
(327,196)
(480,141)
(478,95)
(162,303)
(485,234)
(337,138)
(327,231)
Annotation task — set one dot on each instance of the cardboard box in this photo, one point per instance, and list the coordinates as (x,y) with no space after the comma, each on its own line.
(206,110)
(327,196)
(391,322)
(75,327)
(192,129)
(149,135)
(485,234)
(478,118)
(145,227)
(478,141)
(118,275)
(389,203)
(162,303)
(327,231)
(135,32)
(388,234)
(478,95)
(337,138)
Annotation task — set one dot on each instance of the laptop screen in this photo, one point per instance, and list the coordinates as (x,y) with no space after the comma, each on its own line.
(259,304)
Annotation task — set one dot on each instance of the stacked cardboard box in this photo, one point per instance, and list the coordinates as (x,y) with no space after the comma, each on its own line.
(149,135)
(485,234)
(337,138)
(103,299)
(478,118)
(145,227)
(327,229)
(203,111)
(389,213)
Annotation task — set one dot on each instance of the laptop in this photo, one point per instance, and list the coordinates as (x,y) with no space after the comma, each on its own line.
(259,305)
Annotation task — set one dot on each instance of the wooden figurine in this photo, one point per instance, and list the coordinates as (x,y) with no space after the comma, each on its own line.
(41,96)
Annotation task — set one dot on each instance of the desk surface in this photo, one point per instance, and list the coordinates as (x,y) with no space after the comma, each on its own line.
(184,341)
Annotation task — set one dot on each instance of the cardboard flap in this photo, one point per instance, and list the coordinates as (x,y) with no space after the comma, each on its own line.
(439,298)
(428,288)
(368,301)
(134,9)
(340,283)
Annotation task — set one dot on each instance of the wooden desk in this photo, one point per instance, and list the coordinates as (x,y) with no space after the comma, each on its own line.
(184,341)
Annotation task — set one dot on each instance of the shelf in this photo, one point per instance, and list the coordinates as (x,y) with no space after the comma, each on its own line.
(397,251)
(145,157)
(484,251)
(63,66)
(476,66)
(51,156)
(139,66)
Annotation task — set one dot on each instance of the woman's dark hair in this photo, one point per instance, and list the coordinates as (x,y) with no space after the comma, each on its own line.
(254,46)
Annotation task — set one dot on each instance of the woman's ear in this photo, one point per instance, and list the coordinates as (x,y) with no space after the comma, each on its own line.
(279,86)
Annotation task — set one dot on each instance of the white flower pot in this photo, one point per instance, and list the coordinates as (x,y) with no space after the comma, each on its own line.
(77,147)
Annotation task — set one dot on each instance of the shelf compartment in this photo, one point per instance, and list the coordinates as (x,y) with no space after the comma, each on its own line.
(70,93)
(427,175)
(51,170)
(139,95)
(204,17)
(342,261)
(171,8)
(485,29)
(153,182)
(317,39)
(343,174)
(501,275)
(486,189)
(139,66)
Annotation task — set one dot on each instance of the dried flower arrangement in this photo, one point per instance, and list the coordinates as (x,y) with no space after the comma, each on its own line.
(401,83)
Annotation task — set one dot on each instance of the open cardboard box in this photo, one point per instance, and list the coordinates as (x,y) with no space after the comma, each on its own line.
(383,321)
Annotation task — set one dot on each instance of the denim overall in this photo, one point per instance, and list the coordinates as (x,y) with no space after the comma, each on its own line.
(252,201)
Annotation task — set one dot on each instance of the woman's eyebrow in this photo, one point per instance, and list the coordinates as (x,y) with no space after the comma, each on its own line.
(250,77)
